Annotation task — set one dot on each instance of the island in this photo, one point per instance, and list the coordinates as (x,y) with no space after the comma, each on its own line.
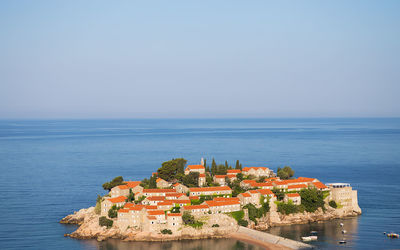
(182,201)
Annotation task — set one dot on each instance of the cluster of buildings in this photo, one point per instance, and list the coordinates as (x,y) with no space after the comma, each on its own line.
(156,209)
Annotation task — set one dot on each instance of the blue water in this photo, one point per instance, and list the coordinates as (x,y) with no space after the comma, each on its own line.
(51,168)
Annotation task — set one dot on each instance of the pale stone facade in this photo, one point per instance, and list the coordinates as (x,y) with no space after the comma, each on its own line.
(195,168)
(258,171)
(294,197)
(161,183)
(180,188)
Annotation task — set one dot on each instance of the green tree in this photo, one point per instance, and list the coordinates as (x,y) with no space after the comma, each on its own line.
(113,212)
(311,199)
(145,183)
(238,165)
(153,182)
(239,176)
(170,169)
(221,169)
(213,167)
(285,173)
(131,196)
(226,165)
(97,208)
(103,221)
(279,193)
(187,218)
(115,182)
(191,180)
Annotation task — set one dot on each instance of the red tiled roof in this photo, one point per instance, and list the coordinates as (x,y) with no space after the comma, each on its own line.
(265,191)
(297,186)
(190,207)
(202,175)
(150,207)
(181,201)
(151,217)
(253,191)
(156,190)
(248,181)
(205,189)
(173,195)
(255,168)
(140,207)
(220,176)
(226,199)
(155,198)
(123,187)
(220,203)
(117,199)
(319,185)
(128,205)
(155,212)
(305,179)
(245,194)
(159,179)
(230,176)
(194,197)
(174,214)
(233,171)
(195,167)
(293,195)
(163,203)
(123,210)
(263,184)
(132,184)
(176,184)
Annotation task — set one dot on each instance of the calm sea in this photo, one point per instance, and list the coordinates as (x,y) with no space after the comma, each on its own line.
(51,168)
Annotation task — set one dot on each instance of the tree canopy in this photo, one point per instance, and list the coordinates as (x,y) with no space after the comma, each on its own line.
(172,170)
(115,182)
(285,173)
(191,180)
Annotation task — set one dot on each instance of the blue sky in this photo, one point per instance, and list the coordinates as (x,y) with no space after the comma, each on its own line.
(128,59)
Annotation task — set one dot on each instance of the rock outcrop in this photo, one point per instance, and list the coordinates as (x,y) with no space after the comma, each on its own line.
(90,229)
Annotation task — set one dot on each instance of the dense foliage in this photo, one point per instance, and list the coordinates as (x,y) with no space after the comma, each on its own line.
(149,183)
(280,194)
(113,212)
(166,231)
(238,165)
(215,225)
(131,196)
(288,208)
(285,173)
(191,180)
(97,208)
(243,223)
(172,170)
(103,221)
(188,219)
(333,204)
(238,215)
(255,213)
(115,182)
(311,199)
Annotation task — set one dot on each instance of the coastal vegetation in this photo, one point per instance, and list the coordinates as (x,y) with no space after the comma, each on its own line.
(285,173)
(103,221)
(166,231)
(97,208)
(172,170)
(188,219)
(333,204)
(311,200)
(113,212)
(115,182)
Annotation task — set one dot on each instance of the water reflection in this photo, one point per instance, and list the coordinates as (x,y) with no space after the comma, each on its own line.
(179,245)
(329,232)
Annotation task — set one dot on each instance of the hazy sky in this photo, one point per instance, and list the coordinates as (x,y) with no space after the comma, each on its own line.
(105,59)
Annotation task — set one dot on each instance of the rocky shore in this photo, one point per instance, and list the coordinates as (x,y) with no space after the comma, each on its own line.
(90,229)
(274,218)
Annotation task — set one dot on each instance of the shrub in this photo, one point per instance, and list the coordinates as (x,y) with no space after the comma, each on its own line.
(187,218)
(243,223)
(103,221)
(97,208)
(112,213)
(238,215)
(333,204)
(215,225)
(166,231)
(115,182)
(197,224)
(311,199)
(287,208)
